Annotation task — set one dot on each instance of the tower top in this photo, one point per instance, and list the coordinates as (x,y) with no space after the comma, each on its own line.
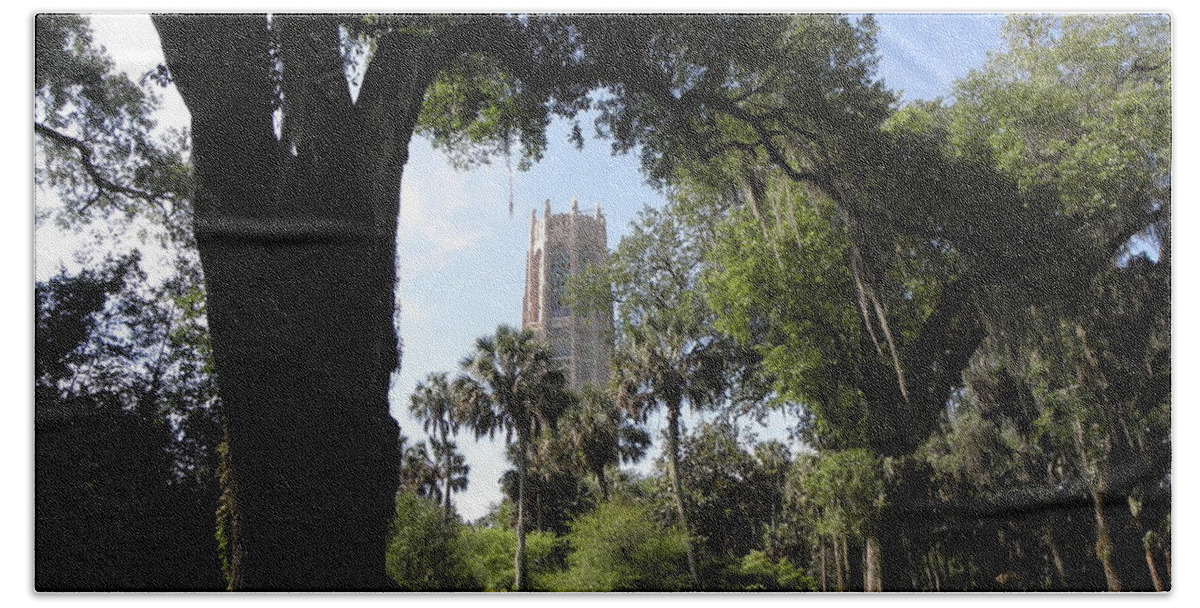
(597,212)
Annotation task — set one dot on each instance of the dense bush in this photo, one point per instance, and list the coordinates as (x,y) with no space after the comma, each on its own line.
(757,572)
(427,551)
(620,547)
(490,555)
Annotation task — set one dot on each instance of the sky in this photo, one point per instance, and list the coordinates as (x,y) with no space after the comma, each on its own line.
(462,255)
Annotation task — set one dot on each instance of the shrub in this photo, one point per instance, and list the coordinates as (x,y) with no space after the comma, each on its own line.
(491,551)
(426,552)
(620,547)
(757,572)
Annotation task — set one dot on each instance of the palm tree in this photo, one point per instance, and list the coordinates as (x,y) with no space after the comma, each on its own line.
(658,366)
(597,434)
(418,473)
(452,470)
(512,384)
(433,403)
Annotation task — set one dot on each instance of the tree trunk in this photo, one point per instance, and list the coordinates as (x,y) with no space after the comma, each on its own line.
(602,480)
(521,582)
(446,462)
(1104,546)
(297,240)
(1158,586)
(824,578)
(846,561)
(873,573)
(677,487)
(840,580)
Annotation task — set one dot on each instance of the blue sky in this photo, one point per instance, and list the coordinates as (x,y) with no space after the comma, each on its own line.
(462,255)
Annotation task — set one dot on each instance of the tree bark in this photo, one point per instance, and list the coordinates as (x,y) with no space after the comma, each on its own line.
(1104,546)
(297,240)
(1158,586)
(677,486)
(602,480)
(840,580)
(846,560)
(873,573)
(446,463)
(824,578)
(521,583)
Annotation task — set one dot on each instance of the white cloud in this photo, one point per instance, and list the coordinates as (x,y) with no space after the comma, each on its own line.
(435,221)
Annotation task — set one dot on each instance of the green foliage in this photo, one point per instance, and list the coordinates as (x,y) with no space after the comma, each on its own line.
(125,495)
(512,384)
(433,402)
(1080,103)
(594,434)
(490,551)
(733,494)
(223,531)
(959,276)
(418,471)
(97,144)
(757,572)
(843,491)
(427,551)
(715,86)
(499,92)
(474,110)
(620,547)
(787,289)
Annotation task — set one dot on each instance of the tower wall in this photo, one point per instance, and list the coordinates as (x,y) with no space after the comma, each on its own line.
(560,246)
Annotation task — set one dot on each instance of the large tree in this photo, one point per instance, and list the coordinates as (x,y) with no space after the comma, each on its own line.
(296,228)
(1094,129)
(874,261)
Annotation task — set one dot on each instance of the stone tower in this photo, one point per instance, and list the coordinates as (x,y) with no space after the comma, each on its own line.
(562,245)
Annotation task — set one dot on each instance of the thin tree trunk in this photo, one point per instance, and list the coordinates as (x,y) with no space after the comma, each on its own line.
(521,582)
(1056,558)
(449,474)
(1104,546)
(1167,557)
(840,581)
(824,576)
(873,575)
(846,559)
(937,574)
(1158,586)
(540,489)
(602,480)
(677,487)
(1147,548)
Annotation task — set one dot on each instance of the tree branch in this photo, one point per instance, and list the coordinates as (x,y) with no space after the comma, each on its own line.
(93,171)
